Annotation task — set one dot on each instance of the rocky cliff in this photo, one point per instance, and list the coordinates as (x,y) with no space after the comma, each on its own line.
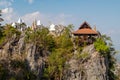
(85,65)
(17,49)
(90,66)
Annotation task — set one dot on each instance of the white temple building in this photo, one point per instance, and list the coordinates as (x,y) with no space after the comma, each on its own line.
(14,24)
(20,25)
(38,23)
(52,27)
(20,21)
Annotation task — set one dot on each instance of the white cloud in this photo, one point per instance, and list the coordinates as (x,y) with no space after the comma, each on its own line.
(30,17)
(30,1)
(46,18)
(7,10)
(9,15)
(5,3)
(62,18)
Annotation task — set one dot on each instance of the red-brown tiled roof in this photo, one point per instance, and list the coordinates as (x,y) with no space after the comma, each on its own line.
(85,31)
(84,25)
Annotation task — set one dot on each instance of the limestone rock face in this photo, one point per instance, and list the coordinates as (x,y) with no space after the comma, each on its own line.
(117,70)
(18,49)
(92,67)
(85,65)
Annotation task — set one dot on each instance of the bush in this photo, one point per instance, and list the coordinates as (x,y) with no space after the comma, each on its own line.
(101,46)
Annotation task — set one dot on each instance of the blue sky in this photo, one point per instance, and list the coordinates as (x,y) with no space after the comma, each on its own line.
(104,14)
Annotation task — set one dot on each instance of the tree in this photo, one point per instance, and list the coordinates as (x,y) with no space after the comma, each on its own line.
(1,19)
(56,62)
(64,40)
(40,38)
(7,33)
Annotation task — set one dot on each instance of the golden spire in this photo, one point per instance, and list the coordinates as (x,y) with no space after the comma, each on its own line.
(34,25)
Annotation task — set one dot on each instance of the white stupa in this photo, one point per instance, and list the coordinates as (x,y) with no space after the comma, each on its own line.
(38,23)
(20,21)
(14,25)
(52,27)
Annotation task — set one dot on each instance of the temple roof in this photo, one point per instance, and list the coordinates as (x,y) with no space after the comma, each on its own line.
(85,29)
(85,25)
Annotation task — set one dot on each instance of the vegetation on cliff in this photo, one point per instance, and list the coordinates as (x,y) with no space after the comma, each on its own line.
(54,51)
(7,33)
(105,47)
(57,59)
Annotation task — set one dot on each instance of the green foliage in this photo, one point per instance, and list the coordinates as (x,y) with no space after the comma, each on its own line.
(51,43)
(7,33)
(1,19)
(40,38)
(17,64)
(105,47)
(3,72)
(28,75)
(79,49)
(17,70)
(64,41)
(12,78)
(56,63)
(23,69)
(36,36)
(101,46)
(62,52)
(82,56)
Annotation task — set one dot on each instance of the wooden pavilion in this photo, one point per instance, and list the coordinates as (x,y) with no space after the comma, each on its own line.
(85,34)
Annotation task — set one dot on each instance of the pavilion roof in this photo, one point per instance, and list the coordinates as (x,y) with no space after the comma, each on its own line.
(85,29)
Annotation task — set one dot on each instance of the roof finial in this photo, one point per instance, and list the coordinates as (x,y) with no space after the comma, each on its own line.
(94,28)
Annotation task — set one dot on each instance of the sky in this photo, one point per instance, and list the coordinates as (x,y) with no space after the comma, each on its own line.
(104,14)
